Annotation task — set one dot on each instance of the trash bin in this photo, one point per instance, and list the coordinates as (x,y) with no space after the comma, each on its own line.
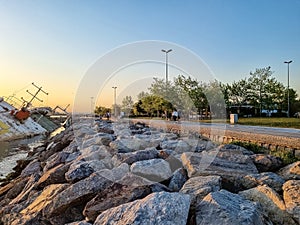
(233,118)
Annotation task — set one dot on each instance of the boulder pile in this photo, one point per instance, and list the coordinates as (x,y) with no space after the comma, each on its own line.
(101,172)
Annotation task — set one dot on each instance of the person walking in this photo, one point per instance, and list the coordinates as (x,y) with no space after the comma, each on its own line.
(175,115)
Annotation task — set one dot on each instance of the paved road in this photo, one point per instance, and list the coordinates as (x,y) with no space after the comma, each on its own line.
(276,131)
(286,132)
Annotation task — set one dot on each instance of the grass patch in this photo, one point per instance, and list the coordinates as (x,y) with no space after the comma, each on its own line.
(251,146)
(271,122)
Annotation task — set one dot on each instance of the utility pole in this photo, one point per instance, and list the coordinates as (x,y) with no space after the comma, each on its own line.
(34,96)
(288,87)
(92,98)
(115,100)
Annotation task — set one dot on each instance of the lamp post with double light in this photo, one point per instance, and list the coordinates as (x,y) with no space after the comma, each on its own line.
(166,51)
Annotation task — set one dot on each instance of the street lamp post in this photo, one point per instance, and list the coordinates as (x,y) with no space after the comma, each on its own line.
(115,100)
(166,51)
(92,104)
(288,87)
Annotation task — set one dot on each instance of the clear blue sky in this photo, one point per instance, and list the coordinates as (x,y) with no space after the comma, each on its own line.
(54,42)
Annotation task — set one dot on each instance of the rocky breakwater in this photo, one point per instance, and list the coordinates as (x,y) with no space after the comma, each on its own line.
(123,173)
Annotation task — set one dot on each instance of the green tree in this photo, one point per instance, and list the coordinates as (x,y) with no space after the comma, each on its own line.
(142,95)
(193,93)
(169,92)
(265,92)
(138,109)
(155,105)
(101,110)
(238,92)
(127,104)
(215,98)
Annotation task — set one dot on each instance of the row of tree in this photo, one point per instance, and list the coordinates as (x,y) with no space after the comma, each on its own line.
(259,92)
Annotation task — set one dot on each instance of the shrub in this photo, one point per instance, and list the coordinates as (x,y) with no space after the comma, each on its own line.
(286,156)
(250,146)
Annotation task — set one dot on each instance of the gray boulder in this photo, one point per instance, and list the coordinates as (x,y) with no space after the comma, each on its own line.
(226,208)
(269,178)
(153,169)
(179,146)
(266,163)
(95,152)
(34,167)
(228,161)
(161,208)
(134,180)
(98,139)
(55,160)
(291,196)
(130,145)
(178,179)
(32,214)
(132,157)
(84,190)
(271,203)
(14,188)
(290,172)
(198,187)
(55,175)
(78,171)
(113,196)
(28,190)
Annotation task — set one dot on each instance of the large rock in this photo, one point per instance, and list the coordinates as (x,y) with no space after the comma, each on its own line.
(31,168)
(198,145)
(153,169)
(12,189)
(291,196)
(290,172)
(55,160)
(271,203)
(132,157)
(178,146)
(94,152)
(32,214)
(178,179)
(53,148)
(223,207)
(84,190)
(266,163)
(159,208)
(113,196)
(171,157)
(98,139)
(134,180)
(82,169)
(130,145)
(199,187)
(55,175)
(78,171)
(228,161)
(28,189)
(269,178)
